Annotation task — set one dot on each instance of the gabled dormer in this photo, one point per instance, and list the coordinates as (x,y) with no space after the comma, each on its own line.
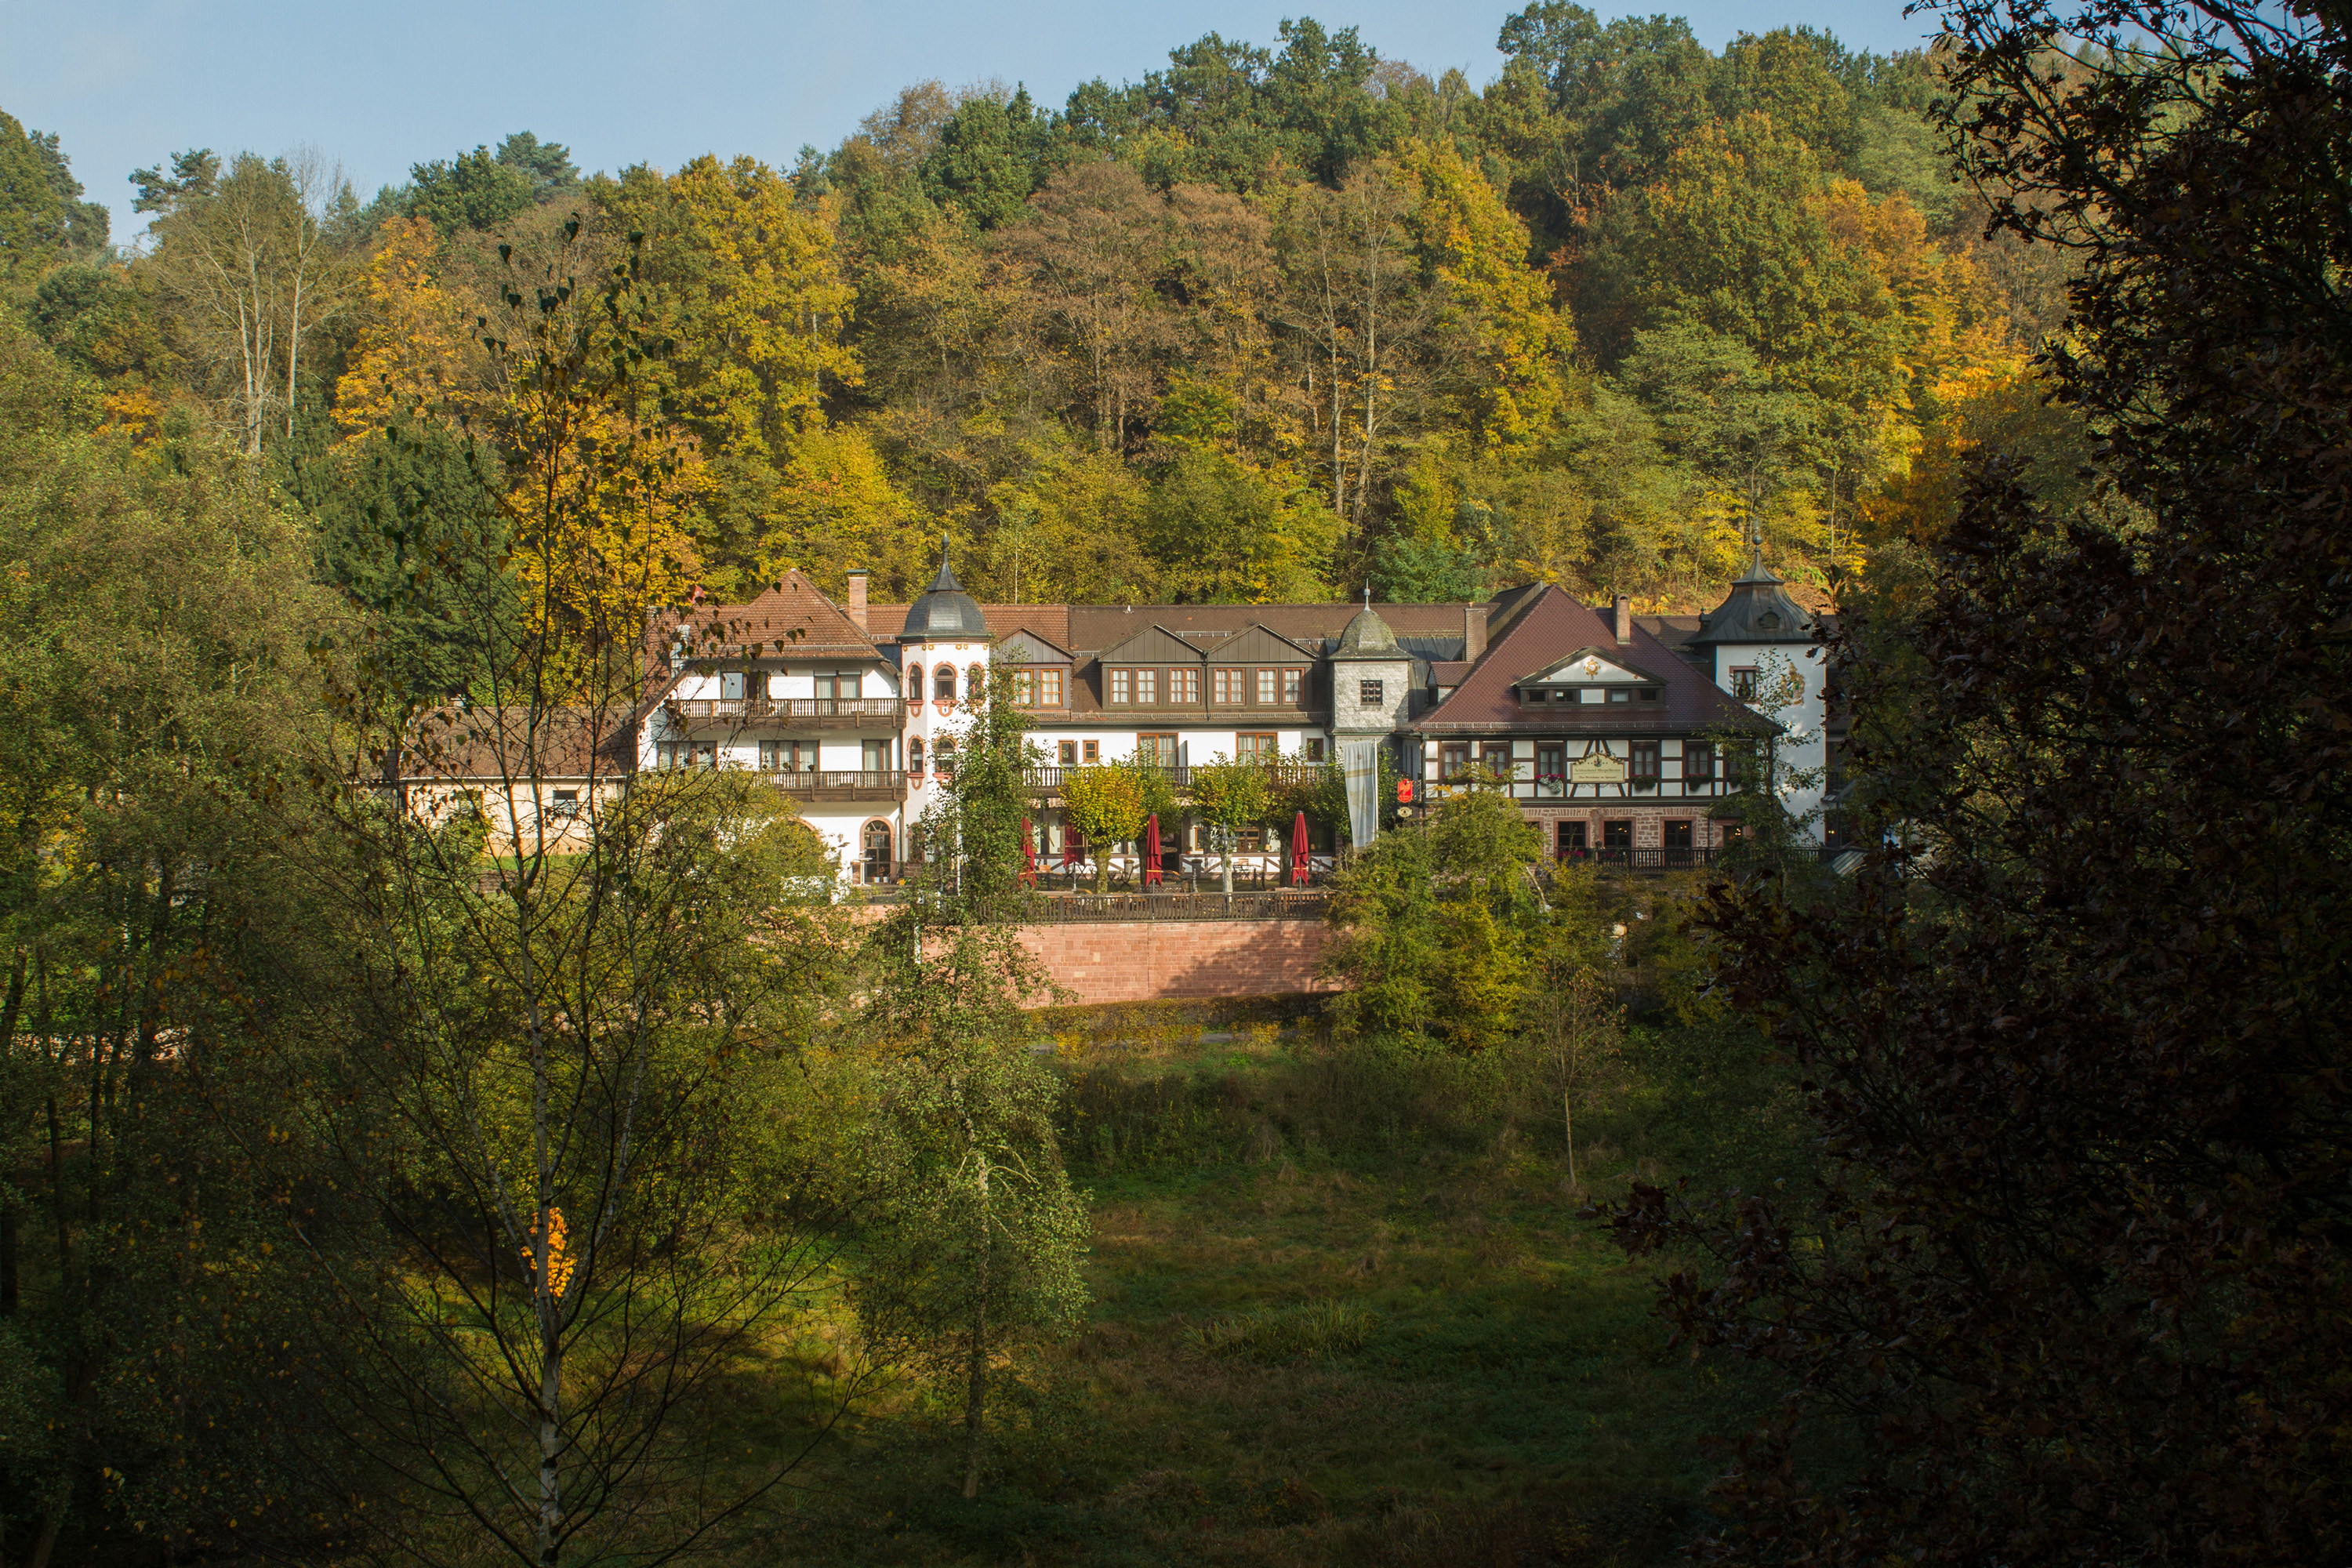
(1590,678)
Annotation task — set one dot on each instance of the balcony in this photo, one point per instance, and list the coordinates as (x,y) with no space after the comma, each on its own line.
(1287,770)
(889,784)
(1558,788)
(801,712)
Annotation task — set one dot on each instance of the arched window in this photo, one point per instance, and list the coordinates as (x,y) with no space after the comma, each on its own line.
(877,864)
(914,681)
(943,683)
(915,753)
(943,753)
(979,683)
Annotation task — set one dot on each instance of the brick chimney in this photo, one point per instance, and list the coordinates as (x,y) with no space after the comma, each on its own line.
(857,596)
(1624,618)
(1474,632)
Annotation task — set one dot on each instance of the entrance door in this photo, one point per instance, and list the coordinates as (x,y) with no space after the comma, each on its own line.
(1617,841)
(1679,842)
(876,863)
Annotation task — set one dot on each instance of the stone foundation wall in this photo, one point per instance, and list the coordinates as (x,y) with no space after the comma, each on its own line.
(1174,961)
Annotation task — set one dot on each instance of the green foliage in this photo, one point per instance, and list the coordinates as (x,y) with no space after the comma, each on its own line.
(43,218)
(1435,925)
(483,190)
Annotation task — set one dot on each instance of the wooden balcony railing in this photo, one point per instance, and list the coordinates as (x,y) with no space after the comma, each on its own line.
(1179,775)
(882,710)
(842,784)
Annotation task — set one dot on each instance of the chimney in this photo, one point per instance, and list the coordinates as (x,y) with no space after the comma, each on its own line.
(1624,621)
(857,596)
(1474,632)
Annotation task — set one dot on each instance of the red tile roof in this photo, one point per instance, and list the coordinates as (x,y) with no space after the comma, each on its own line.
(792,619)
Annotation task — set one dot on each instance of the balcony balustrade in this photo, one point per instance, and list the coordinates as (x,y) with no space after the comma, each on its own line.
(862,712)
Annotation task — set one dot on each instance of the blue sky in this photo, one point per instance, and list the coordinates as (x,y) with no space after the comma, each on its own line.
(378,86)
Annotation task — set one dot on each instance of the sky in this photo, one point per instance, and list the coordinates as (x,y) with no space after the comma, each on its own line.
(376,87)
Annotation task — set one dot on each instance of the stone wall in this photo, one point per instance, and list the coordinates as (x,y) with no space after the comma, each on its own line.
(1175,961)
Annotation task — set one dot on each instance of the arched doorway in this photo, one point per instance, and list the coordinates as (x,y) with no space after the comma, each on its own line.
(876,863)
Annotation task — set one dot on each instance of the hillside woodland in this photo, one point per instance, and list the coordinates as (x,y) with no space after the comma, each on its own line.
(1272,324)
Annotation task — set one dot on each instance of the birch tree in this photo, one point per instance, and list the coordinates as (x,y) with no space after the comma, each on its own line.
(570,1123)
(247,262)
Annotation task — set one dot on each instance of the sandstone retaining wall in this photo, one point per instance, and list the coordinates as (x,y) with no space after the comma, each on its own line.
(1174,961)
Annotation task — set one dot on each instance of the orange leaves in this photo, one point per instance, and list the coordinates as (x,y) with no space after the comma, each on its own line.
(560,1261)
(413,355)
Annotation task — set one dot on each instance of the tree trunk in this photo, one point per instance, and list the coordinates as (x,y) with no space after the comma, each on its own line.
(1567,1120)
(975,1400)
(550,1424)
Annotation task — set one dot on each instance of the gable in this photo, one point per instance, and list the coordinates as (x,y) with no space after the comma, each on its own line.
(1589,666)
(1153,645)
(1258,645)
(1025,646)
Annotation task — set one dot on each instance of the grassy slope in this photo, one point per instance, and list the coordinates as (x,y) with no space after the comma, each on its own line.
(1511,1400)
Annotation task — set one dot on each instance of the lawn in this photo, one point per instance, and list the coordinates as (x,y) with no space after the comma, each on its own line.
(1342,1314)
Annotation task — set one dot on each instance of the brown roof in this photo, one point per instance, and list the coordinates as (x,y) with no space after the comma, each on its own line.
(503,742)
(792,618)
(1549,628)
(1094,628)
(1052,622)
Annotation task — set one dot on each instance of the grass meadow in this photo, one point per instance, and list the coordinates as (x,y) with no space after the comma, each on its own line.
(1344,1312)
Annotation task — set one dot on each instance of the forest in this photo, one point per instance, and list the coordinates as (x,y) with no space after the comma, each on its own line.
(1274,323)
(388,1180)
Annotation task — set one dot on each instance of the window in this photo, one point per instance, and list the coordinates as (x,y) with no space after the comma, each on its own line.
(1698,762)
(1024,688)
(1066,754)
(943,753)
(1156,751)
(1146,689)
(915,754)
(1648,694)
(566,804)
(1571,840)
(1184,686)
(705,754)
(1620,694)
(1551,761)
(730,686)
(977,685)
(1617,834)
(914,681)
(1678,833)
(1645,762)
(1294,687)
(787,756)
(1533,694)
(1266,687)
(1250,841)
(1122,687)
(1311,750)
(1744,684)
(1371,693)
(829,686)
(1225,686)
(876,866)
(1049,689)
(943,682)
(874,756)
(1453,759)
(1257,747)
(1091,752)
(1497,759)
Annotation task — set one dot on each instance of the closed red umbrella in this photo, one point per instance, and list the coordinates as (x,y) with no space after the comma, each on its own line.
(1073,846)
(1298,860)
(1152,851)
(1028,856)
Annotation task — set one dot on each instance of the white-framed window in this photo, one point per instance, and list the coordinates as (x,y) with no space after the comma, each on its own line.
(1122,688)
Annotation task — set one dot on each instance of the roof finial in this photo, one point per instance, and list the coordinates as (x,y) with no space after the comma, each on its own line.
(1368,595)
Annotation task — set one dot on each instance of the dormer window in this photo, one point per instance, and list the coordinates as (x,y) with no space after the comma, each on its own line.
(1769,621)
(1620,694)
